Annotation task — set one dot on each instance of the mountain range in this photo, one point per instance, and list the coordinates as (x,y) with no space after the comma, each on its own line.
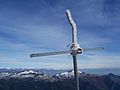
(37,80)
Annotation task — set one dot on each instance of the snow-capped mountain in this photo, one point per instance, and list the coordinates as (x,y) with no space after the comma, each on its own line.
(27,72)
(67,74)
(36,80)
(37,74)
(24,74)
(30,73)
(6,74)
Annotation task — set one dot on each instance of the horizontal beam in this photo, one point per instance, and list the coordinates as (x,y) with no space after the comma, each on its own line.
(49,53)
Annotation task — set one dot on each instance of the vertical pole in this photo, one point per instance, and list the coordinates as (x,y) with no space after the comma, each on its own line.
(73,25)
(76,72)
(74,47)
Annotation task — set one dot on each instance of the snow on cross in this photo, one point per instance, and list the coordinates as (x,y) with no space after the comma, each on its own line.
(75,49)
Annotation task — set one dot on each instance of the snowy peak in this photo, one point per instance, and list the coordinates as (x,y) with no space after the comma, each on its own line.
(67,74)
(31,73)
(24,74)
(27,72)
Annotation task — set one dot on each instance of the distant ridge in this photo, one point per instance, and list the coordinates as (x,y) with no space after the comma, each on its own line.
(52,72)
(37,80)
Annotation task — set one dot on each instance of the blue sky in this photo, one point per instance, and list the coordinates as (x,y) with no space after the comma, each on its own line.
(28,26)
